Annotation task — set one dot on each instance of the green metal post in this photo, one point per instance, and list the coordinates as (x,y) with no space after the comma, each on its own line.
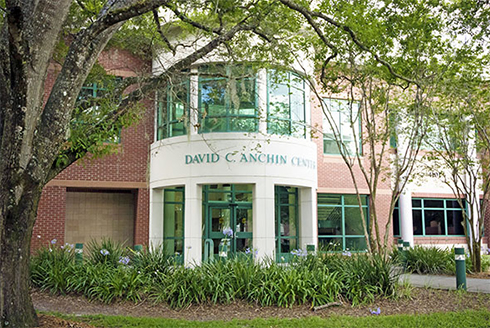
(406,247)
(79,253)
(460,268)
(138,248)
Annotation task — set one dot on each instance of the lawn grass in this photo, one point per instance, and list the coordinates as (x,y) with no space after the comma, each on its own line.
(469,318)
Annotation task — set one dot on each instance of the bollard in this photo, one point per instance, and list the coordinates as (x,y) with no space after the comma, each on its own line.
(138,248)
(78,253)
(310,248)
(460,268)
(406,247)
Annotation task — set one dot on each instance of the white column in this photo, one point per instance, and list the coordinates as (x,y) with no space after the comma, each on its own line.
(264,235)
(193,224)
(308,229)
(194,101)
(156,217)
(262,99)
(406,218)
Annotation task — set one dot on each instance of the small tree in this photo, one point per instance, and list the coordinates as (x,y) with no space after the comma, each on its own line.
(460,154)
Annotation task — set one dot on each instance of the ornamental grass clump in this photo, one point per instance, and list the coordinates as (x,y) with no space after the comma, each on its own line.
(429,260)
(106,251)
(363,276)
(50,267)
(111,272)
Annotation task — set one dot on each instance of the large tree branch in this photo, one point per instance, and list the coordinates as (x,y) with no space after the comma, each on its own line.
(147,86)
(308,14)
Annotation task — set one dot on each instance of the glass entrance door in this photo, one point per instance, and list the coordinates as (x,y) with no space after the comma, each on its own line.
(227,207)
(238,219)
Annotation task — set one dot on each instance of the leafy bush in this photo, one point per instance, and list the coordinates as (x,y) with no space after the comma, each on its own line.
(51,266)
(106,252)
(485,263)
(429,260)
(111,273)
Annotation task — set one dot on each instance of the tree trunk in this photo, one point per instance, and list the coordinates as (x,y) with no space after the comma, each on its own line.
(16,308)
(476,256)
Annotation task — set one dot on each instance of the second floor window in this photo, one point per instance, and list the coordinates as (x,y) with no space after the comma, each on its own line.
(345,120)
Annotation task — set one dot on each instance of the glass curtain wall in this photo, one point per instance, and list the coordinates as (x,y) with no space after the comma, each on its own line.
(286,222)
(286,113)
(227,99)
(173,222)
(340,222)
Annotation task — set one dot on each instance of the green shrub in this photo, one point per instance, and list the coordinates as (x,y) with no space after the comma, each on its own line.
(151,260)
(430,260)
(51,266)
(106,252)
(314,279)
(485,263)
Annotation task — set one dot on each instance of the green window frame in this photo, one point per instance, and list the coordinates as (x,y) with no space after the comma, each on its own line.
(341,111)
(286,104)
(286,221)
(396,220)
(339,225)
(98,89)
(437,217)
(173,110)
(228,100)
(173,222)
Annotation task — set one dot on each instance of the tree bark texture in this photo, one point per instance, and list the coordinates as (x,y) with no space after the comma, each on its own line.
(32,133)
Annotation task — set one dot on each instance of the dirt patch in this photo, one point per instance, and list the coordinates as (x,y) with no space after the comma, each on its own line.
(414,301)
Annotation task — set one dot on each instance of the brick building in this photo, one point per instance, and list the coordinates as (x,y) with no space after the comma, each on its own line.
(230,153)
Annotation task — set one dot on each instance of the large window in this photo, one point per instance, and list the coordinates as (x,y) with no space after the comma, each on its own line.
(433,217)
(227,99)
(437,217)
(173,111)
(173,222)
(345,119)
(286,104)
(340,222)
(286,221)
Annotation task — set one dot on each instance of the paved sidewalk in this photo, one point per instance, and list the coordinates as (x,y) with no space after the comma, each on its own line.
(446,282)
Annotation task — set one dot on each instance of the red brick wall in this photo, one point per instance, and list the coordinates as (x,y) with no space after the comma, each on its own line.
(125,170)
(141,226)
(50,223)
(334,175)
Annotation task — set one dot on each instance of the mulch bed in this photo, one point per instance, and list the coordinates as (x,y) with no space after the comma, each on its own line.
(415,301)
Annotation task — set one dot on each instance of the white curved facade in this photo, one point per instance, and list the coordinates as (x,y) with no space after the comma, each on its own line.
(234,158)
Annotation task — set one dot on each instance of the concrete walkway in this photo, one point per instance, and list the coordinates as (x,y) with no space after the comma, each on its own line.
(446,282)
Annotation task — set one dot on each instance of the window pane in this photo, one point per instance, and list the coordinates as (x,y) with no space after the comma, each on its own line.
(356,243)
(214,124)
(219,196)
(416,203)
(417,222)
(213,97)
(455,223)
(353,221)
(434,203)
(452,204)
(396,223)
(328,199)
(330,221)
(434,222)
(330,146)
(352,200)
(243,124)
(330,244)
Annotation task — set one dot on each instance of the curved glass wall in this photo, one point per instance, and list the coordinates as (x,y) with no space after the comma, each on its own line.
(286,110)
(227,99)
(173,111)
